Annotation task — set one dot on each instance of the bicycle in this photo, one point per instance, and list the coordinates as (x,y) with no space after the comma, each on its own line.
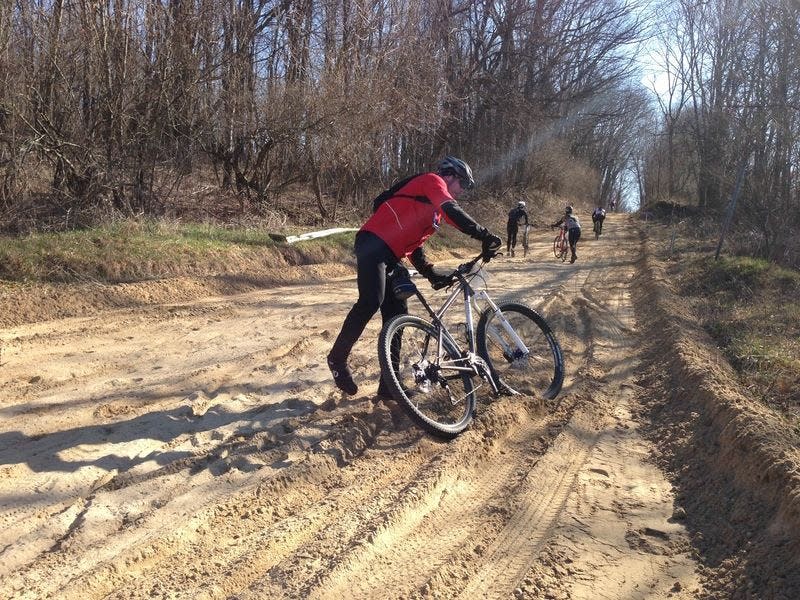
(525,242)
(598,228)
(561,244)
(432,368)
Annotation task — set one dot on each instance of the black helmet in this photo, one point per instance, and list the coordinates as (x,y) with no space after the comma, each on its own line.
(568,210)
(450,165)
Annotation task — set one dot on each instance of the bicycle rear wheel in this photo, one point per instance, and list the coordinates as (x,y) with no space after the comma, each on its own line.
(436,391)
(534,369)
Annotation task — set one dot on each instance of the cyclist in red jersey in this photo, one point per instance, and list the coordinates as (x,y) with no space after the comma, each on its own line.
(397,229)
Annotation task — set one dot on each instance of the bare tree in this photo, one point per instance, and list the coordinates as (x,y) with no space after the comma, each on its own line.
(739,68)
(123,101)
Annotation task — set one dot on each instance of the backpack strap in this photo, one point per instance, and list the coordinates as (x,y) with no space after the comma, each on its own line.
(423,199)
(392,193)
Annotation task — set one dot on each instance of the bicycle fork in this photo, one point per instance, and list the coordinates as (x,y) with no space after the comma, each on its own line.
(513,347)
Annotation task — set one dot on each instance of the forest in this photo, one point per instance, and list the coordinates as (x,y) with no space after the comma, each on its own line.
(304,109)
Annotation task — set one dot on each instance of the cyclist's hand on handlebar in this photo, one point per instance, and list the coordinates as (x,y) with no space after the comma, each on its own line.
(491,244)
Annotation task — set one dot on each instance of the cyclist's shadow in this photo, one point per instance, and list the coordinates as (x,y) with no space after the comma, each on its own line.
(42,453)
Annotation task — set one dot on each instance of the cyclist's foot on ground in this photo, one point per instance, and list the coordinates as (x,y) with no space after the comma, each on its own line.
(343,378)
(573,259)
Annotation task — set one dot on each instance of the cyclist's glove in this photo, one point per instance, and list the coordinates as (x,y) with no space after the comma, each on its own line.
(439,279)
(491,244)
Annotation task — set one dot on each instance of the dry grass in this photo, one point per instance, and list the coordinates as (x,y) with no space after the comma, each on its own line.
(127,251)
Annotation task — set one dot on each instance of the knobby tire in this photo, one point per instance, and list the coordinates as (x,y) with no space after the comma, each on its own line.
(539,373)
(443,405)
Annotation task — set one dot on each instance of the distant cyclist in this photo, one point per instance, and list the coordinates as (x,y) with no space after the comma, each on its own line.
(515,215)
(570,222)
(598,216)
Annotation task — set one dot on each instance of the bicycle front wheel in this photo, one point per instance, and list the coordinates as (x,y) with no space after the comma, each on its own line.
(430,381)
(521,349)
(557,247)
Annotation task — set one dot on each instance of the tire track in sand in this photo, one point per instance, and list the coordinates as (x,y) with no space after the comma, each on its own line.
(541,499)
(460,510)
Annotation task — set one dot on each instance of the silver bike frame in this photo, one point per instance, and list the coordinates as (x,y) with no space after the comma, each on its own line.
(471,301)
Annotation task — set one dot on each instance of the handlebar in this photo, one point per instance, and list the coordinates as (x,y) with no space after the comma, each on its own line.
(463,269)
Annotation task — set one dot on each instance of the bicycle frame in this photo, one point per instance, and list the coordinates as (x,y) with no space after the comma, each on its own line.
(471,298)
(561,243)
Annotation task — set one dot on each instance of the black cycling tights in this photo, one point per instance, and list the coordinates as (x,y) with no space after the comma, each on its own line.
(574,235)
(373,258)
(511,241)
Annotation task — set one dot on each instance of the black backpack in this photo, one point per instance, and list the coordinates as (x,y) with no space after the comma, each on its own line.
(392,192)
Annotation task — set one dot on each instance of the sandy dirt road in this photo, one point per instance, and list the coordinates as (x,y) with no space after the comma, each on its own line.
(199,450)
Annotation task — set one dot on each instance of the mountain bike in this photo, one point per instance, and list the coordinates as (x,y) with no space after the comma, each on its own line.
(434,367)
(525,242)
(598,228)
(561,244)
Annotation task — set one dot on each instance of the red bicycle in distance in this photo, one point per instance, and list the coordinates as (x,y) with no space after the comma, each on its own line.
(561,244)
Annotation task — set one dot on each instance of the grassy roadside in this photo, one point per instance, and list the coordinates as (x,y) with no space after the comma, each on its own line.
(751,309)
(142,250)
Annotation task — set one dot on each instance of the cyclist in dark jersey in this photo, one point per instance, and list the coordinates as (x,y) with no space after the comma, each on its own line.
(515,215)
(397,229)
(598,216)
